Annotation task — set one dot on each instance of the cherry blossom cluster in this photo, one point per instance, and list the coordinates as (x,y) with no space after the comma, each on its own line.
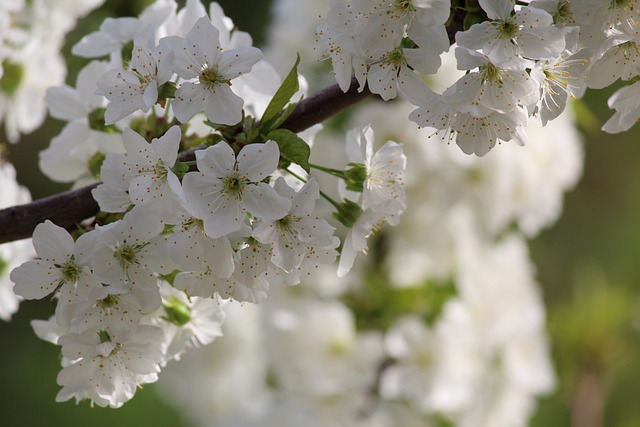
(208,205)
(442,324)
(176,239)
(521,61)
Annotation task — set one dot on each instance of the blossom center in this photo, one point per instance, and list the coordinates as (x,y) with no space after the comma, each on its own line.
(563,15)
(233,185)
(209,77)
(491,73)
(126,255)
(508,29)
(109,301)
(70,271)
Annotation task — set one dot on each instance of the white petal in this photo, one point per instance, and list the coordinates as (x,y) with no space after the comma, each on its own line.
(35,279)
(258,161)
(222,105)
(189,101)
(236,62)
(262,200)
(217,161)
(52,243)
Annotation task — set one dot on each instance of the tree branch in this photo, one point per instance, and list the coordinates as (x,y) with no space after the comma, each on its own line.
(70,208)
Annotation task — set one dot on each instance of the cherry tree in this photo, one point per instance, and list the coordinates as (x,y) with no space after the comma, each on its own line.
(369,272)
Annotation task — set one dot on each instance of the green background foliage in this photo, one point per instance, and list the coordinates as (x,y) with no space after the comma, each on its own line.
(587,264)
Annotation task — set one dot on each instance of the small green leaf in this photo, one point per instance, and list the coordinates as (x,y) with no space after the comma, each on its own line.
(96,122)
(284,93)
(292,148)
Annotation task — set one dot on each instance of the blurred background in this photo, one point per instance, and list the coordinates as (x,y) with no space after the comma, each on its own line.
(587,264)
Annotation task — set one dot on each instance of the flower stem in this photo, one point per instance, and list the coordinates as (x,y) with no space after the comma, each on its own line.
(322,193)
(330,171)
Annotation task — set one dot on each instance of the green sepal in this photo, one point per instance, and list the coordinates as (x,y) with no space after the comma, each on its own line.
(211,139)
(348,213)
(96,122)
(292,148)
(472,6)
(249,131)
(3,266)
(169,278)
(12,75)
(356,187)
(95,163)
(471,19)
(104,336)
(167,90)
(407,43)
(475,14)
(176,311)
(127,52)
(289,86)
(355,177)
(168,229)
(180,169)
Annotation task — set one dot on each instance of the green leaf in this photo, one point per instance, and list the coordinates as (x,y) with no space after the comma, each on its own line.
(284,115)
(286,90)
(292,148)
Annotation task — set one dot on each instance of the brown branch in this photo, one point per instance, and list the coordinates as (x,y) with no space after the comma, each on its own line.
(322,105)
(65,209)
(70,208)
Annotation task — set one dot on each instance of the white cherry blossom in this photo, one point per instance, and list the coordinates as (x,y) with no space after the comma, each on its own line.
(136,88)
(143,176)
(626,103)
(108,368)
(292,234)
(529,32)
(62,267)
(228,187)
(383,167)
(130,252)
(209,71)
